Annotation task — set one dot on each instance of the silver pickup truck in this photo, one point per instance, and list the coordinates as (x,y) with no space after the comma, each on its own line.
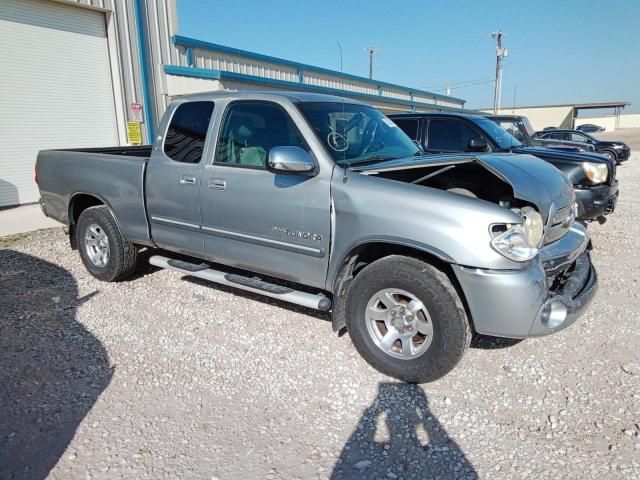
(324,202)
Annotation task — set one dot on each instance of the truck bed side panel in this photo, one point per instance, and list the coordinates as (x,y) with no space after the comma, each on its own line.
(116,180)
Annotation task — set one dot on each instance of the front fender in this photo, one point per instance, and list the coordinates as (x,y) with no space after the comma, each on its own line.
(454,228)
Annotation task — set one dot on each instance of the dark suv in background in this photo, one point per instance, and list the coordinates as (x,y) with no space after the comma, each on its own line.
(618,151)
(520,127)
(592,175)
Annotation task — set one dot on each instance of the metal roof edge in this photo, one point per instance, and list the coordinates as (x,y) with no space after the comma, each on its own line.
(192,42)
(222,74)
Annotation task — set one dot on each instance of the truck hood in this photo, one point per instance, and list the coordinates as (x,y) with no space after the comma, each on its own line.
(532,180)
(551,153)
(604,144)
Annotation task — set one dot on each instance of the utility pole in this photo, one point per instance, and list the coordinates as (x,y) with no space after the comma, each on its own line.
(372,50)
(500,54)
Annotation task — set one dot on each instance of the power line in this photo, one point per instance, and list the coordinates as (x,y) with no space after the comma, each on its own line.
(488,80)
(455,84)
(440,87)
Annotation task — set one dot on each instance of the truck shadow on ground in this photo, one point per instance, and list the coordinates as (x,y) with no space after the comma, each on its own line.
(398,437)
(52,369)
(259,298)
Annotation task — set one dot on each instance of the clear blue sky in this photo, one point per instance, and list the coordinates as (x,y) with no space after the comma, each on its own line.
(560,51)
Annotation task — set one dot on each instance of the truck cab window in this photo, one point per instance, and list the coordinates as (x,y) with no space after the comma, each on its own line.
(250,130)
(187,132)
(512,128)
(449,135)
(408,126)
(558,136)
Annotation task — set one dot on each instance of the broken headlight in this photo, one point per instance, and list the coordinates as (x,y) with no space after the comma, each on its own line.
(511,241)
(596,172)
(533,225)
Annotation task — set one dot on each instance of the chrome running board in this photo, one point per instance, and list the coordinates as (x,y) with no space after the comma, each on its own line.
(250,284)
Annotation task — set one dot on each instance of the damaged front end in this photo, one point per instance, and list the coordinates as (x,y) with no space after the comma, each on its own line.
(552,280)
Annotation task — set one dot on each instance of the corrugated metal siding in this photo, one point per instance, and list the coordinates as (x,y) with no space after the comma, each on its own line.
(186,85)
(159,18)
(56,90)
(203,55)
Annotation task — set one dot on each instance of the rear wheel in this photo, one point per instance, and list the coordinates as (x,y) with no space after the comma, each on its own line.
(103,250)
(406,319)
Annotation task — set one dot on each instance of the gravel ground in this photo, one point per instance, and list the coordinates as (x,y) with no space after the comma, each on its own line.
(165,377)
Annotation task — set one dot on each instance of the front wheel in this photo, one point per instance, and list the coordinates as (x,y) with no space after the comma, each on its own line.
(610,155)
(106,254)
(406,319)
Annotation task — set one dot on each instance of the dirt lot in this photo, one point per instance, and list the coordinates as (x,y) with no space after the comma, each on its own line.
(166,377)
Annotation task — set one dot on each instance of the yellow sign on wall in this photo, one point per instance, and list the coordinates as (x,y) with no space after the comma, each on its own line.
(134,133)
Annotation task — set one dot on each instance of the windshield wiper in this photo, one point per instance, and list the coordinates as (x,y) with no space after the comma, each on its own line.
(374,159)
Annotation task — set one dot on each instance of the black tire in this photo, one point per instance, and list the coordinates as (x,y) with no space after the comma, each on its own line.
(610,154)
(123,255)
(451,328)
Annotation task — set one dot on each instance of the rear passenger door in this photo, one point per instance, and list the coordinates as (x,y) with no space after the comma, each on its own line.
(256,219)
(173,178)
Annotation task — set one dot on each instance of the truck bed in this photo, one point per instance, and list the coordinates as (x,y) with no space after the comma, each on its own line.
(113,175)
(135,151)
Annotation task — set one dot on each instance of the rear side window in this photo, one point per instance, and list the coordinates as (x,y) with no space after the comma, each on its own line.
(408,126)
(187,132)
(511,127)
(449,135)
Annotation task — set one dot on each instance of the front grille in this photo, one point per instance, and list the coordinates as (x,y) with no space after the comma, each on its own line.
(560,222)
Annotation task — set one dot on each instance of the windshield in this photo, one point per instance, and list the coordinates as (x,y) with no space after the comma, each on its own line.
(528,125)
(499,135)
(355,133)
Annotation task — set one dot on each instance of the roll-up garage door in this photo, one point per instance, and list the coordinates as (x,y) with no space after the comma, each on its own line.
(55,88)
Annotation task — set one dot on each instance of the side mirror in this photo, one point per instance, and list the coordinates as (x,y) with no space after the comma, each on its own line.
(291,160)
(478,145)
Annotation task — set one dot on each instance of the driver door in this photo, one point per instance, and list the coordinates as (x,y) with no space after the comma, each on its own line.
(255,219)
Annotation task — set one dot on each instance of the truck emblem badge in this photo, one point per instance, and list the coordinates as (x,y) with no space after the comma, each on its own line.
(298,233)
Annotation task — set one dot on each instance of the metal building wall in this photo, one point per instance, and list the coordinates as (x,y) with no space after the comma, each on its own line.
(238,69)
(144,67)
(136,60)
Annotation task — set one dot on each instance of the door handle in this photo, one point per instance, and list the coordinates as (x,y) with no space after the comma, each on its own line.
(187,180)
(217,184)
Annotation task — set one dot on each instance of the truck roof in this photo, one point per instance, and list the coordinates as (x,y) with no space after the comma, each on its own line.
(435,114)
(289,95)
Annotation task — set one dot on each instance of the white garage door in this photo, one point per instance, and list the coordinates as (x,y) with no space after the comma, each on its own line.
(55,88)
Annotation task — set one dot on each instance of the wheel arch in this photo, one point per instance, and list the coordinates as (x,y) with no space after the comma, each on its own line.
(78,203)
(370,250)
(612,152)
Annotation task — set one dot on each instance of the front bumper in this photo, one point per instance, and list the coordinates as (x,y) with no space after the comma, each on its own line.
(596,201)
(623,154)
(548,295)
